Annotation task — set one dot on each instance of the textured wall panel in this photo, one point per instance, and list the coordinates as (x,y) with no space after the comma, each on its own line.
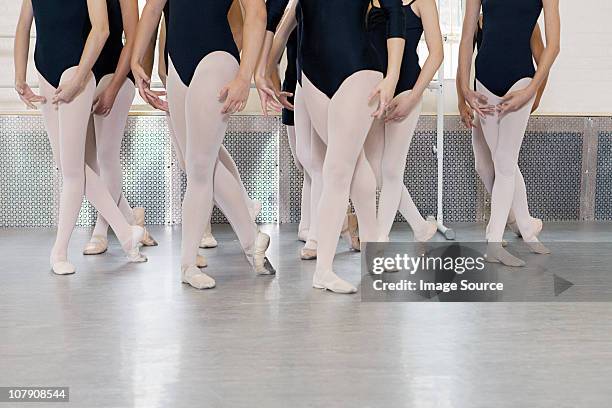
(603,196)
(552,162)
(152,178)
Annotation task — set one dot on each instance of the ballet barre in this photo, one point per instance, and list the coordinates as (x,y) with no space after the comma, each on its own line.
(437,86)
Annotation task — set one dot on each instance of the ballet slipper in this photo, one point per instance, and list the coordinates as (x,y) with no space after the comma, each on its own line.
(257,257)
(330,281)
(139,219)
(254,209)
(62,267)
(303,235)
(148,240)
(201,261)
(427,232)
(350,232)
(496,254)
(97,245)
(197,279)
(208,241)
(132,248)
(308,254)
(537,247)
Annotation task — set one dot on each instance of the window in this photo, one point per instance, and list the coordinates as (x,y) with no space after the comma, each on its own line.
(451,20)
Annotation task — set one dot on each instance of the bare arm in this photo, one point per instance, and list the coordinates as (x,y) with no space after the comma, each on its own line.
(20,56)
(475,100)
(104,102)
(162,69)
(403,104)
(385,90)
(129,13)
(149,22)
(537,48)
(98,16)
(267,95)
(433,37)
(281,37)
(236,22)
(236,93)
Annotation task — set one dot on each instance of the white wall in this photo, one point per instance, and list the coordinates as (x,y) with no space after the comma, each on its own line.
(580,83)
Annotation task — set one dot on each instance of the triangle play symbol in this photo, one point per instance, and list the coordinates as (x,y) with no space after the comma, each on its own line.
(561,285)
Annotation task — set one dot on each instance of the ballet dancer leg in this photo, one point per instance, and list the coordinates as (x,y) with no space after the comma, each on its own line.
(304,204)
(107,137)
(302,155)
(362,186)
(317,157)
(504,135)
(347,120)
(486,172)
(398,136)
(203,137)
(67,124)
(228,161)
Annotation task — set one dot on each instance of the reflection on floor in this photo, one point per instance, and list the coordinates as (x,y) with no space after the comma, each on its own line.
(123,335)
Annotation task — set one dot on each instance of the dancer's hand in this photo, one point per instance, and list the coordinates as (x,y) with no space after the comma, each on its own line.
(235,95)
(467,115)
(281,96)
(143,82)
(104,102)
(514,101)
(267,95)
(479,103)
(401,106)
(385,91)
(28,96)
(66,92)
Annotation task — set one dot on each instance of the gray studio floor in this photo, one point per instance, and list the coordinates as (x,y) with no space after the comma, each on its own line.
(122,335)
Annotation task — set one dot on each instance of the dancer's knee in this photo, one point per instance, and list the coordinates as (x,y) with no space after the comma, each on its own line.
(73,174)
(391,176)
(484,170)
(505,166)
(338,175)
(199,172)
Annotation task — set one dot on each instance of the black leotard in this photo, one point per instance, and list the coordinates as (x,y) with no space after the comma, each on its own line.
(109,57)
(505,55)
(335,44)
(59,41)
(411,69)
(166,21)
(290,81)
(195,29)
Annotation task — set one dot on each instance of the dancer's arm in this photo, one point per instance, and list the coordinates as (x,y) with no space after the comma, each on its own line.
(396,26)
(466,113)
(402,105)
(515,100)
(162,69)
(267,95)
(105,101)
(149,21)
(279,45)
(537,48)
(236,93)
(98,16)
(236,21)
(20,56)
(475,100)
